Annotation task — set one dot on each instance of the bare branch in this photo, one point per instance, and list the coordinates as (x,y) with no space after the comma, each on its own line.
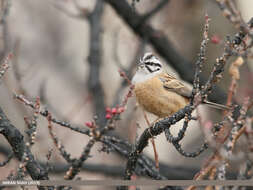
(95,61)
(15,139)
(162,45)
(151,13)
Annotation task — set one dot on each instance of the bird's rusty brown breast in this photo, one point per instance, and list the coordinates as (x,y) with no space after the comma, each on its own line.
(154,98)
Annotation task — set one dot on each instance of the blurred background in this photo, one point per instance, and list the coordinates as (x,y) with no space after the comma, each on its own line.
(52,42)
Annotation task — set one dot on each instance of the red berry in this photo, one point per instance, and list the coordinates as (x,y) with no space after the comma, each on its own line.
(88,124)
(108,110)
(215,39)
(114,110)
(108,116)
(206,17)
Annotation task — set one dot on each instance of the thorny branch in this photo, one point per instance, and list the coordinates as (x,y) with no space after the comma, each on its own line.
(44,112)
(160,126)
(162,44)
(32,125)
(106,119)
(15,139)
(57,143)
(122,148)
(95,132)
(147,166)
(196,89)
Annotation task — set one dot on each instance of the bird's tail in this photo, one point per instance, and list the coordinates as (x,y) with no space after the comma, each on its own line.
(217,106)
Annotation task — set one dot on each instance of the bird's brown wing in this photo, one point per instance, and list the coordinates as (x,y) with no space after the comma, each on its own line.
(172,84)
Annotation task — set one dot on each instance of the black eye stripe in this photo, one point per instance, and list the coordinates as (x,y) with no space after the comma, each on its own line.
(153,64)
(148,57)
(150,70)
(147,67)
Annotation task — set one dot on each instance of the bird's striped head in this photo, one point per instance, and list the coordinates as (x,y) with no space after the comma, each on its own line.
(149,63)
(148,67)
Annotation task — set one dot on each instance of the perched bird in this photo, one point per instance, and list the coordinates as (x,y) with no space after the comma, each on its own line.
(158,92)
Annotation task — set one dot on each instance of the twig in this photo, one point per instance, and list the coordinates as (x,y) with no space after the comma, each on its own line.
(151,13)
(81,14)
(159,127)
(235,75)
(201,58)
(200,175)
(128,72)
(154,130)
(230,12)
(152,141)
(237,130)
(9,157)
(233,15)
(221,174)
(96,134)
(77,163)
(48,156)
(95,61)
(162,45)
(196,88)
(5,65)
(45,112)
(57,143)
(15,139)
(32,125)
(95,54)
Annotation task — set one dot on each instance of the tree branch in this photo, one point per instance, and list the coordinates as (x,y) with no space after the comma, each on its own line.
(19,148)
(158,7)
(95,61)
(162,44)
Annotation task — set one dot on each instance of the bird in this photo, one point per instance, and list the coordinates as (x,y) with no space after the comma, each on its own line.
(158,92)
